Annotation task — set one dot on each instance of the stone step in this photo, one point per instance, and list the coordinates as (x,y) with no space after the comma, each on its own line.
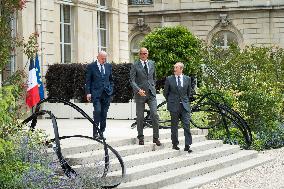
(97,155)
(221,173)
(85,145)
(154,156)
(150,166)
(178,175)
(183,160)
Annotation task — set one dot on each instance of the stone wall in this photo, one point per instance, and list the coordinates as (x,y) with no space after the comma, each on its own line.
(258,22)
(44,16)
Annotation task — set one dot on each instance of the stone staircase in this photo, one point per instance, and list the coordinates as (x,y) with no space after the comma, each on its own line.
(151,167)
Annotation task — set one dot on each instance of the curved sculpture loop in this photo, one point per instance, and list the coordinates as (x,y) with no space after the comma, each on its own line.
(67,169)
(219,112)
(222,115)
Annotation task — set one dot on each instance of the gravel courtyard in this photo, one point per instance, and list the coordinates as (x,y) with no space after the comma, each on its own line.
(267,176)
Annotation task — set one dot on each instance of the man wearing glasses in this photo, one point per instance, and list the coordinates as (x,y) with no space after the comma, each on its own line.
(143,81)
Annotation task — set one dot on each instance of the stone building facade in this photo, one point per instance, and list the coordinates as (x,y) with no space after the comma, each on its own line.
(217,22)
(72,31)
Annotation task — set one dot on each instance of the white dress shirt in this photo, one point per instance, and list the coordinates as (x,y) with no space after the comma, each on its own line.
(99,65)
(142,62)
(181,80)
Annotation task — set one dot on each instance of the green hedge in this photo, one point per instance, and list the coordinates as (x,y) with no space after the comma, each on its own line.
(68,81)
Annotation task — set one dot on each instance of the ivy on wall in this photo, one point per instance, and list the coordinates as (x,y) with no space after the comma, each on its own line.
(7,42)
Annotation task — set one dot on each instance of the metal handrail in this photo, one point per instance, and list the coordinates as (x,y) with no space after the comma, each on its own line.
(67,169)
(226,112)
(220,107)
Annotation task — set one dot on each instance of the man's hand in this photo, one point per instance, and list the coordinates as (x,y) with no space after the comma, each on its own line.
(89,97)
(141,92)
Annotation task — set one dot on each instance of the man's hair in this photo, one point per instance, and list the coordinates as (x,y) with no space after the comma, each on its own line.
(102,53)
(144,49)
(180,64)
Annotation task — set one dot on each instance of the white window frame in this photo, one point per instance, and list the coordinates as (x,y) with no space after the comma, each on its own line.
(62,42)
(102,8)
(225,38)
(140,2)
(14,35)
(135,42)
(99,3)
(10,67)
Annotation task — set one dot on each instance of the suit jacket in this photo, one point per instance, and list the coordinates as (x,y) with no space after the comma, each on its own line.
(176,95)
(96,83)
(139,79)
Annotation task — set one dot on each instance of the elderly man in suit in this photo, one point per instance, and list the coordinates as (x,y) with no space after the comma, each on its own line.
(143,81)
(177,92)
(99,88)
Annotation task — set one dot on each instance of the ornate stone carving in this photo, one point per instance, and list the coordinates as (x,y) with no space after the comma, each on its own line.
(223,20)
(141,26)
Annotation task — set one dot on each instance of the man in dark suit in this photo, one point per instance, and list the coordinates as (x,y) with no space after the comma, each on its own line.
(143,81)
(177,92)
(99,88)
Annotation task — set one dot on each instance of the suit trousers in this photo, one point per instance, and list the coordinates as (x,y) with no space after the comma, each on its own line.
(101,106)
(140,108)
(182,115)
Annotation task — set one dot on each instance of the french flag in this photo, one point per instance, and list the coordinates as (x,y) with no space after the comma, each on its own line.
(39,80)
(33,96)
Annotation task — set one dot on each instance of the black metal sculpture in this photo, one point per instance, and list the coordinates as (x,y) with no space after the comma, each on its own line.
(67,169)
(221,115)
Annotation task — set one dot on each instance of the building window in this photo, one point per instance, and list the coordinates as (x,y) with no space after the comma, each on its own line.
(140,2)
(224,39)
(10,68)
(135,46)
(65,33)
(102,26)
(102,2)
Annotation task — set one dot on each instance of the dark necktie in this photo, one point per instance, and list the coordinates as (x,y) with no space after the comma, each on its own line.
(145,67)
(102,70)
(179,83)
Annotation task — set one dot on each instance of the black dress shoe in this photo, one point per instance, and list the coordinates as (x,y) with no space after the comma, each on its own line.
(141,142)
(95,136)
(99,137)
(175,147)
(187,148)
(158,143)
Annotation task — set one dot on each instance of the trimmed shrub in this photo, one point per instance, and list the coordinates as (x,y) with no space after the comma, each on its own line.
(61,80)
(122,89)
(68,81)
(168,45)
(79,85)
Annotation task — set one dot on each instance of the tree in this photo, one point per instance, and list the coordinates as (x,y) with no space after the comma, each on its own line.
(169,45)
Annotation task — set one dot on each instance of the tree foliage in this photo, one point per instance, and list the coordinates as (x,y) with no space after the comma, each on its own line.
(169,45)
(252,80)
